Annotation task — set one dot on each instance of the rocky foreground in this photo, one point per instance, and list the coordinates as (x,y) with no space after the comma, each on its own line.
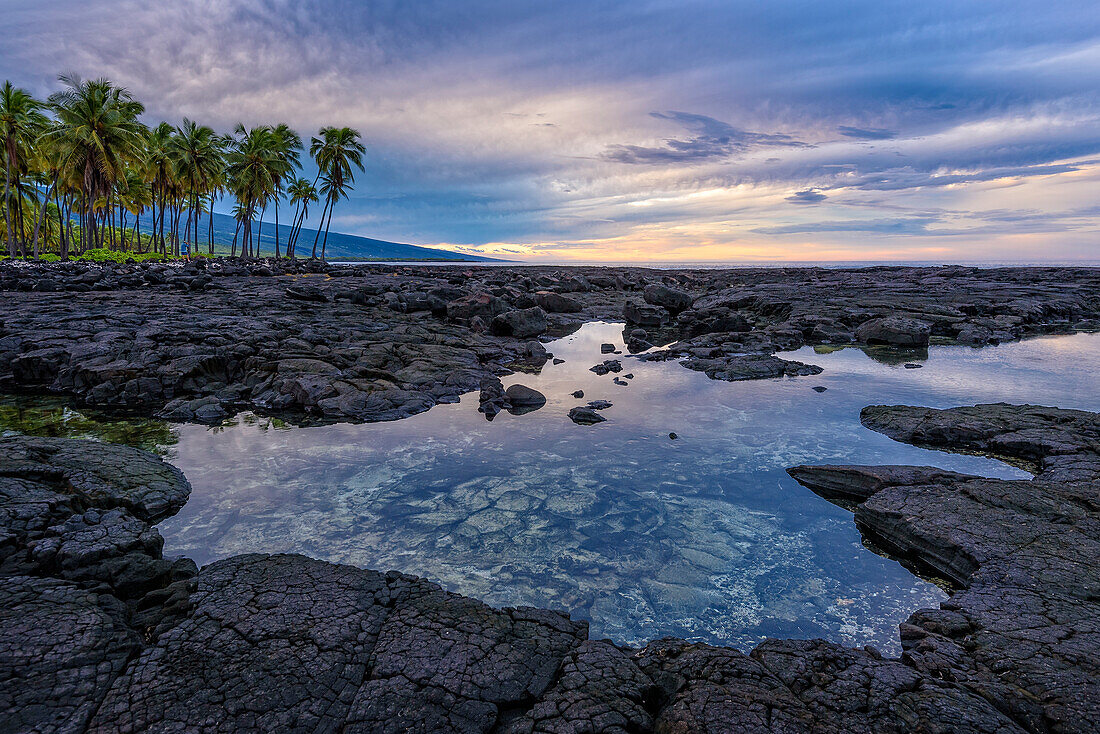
(99,633)
(372,342)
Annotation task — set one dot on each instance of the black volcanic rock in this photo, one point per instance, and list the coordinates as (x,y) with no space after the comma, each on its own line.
(894,331)
(200,342)
(1022,628)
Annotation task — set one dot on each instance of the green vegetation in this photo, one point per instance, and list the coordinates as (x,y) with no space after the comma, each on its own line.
(81,169)
(52,417)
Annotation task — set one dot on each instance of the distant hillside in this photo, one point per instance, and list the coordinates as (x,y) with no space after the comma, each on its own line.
(339,245)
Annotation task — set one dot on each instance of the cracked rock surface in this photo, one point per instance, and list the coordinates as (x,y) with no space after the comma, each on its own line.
(99,633)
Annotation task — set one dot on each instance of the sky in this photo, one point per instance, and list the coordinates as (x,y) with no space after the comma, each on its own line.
(947,131)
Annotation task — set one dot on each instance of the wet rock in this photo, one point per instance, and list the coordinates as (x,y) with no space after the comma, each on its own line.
(599,404)
(284,642)
(608,365)
(523,396)
(578,393)
(749,367)
(607,348)
(819,388)
(585,416)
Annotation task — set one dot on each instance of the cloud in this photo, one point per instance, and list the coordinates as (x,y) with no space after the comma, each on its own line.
(908,226)
(712,139)
(807,196)
(870,133)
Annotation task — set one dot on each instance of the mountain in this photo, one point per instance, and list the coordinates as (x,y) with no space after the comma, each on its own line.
(340,245)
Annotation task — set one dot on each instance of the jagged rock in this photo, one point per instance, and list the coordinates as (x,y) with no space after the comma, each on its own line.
(749,367)
(303,292)
(287,643)
(608,365)
(585,416)
(644,314)
(1022,628)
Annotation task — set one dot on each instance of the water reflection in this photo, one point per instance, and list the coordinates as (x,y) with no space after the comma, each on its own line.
(703,537)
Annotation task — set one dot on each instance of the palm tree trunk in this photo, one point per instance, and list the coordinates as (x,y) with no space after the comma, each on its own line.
(210,226)
(259,230)
(276,225)
(7,206)
(324,243)
(318,235)
(42,209)
(233,251)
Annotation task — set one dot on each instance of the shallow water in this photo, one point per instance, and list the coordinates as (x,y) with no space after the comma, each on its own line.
(703,537)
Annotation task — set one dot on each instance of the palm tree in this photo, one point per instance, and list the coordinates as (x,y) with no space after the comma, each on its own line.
(252,166)
(337,152)
(138,195)
(98,135)
(21,120)
(198,158)
(160,170)
(287,143)
(302,194)
(47,165)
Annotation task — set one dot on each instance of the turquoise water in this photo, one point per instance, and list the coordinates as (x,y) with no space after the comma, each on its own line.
(703,537)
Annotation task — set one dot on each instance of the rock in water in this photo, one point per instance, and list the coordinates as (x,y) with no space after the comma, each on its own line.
(521,395)
(896,331)
(609,365)
(585,416)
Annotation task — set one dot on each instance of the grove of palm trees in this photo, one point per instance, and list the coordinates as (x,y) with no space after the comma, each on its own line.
(83,171)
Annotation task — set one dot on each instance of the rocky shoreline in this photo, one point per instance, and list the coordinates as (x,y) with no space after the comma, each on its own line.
(315,342)
(100,633)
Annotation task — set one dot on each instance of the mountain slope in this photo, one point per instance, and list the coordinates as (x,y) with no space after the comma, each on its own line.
(340,245)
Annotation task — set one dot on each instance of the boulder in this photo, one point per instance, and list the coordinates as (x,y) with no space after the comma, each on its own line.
(670,298)
(897,331)
(520,323)
(557,303)
(644,314)
(521,395)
